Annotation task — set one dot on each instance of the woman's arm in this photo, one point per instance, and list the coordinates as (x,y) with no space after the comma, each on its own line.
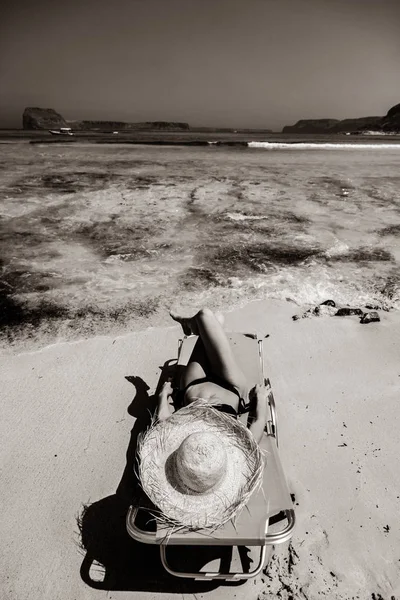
(164,407)
(260,412)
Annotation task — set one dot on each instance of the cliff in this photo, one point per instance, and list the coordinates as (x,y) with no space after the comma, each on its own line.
(97,125)
(311,126)
(391,122)
(123,126)
(387,124)
(359,124)
(42,118)
(48,118)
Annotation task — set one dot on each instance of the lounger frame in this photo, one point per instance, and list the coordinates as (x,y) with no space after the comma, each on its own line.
(270,538)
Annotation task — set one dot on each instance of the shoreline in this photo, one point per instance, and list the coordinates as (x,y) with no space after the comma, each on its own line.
(160,319)
(31,341)
(67,421)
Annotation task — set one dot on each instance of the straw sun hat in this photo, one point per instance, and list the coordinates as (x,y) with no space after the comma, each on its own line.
(198,467)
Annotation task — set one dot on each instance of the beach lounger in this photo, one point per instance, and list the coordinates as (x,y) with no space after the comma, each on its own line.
(268,518)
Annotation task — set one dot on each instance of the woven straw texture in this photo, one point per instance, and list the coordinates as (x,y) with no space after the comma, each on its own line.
(185,510)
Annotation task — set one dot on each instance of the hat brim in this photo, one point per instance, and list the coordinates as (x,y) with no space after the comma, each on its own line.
(199,511)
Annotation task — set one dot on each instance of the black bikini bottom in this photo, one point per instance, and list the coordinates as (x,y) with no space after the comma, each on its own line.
(227,408)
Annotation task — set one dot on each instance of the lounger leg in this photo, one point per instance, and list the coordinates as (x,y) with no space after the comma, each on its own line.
(214,574)
(285,534)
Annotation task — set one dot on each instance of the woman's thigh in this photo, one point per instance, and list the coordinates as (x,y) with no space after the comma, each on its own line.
(198,366)
(193,371)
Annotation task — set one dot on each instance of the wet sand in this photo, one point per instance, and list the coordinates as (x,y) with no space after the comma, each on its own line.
(67,415)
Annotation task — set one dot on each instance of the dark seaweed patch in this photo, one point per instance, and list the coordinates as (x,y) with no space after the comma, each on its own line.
(182,178)
(22,319)
(390,230)
(17,280)
(22,236)
(363,254)
(75,181)
(272,224)
(257,257)
(330,185)
(381,199)
(237,191)
(29,235)
(110,238)
(261,226)
(62,184)
(391,287)
(292,217)
(15,315)
(59,183)
(142,182)
(94,313)
(193,209)
(332,182)
(199,277)
(315,197)
(377,189)
(21,281)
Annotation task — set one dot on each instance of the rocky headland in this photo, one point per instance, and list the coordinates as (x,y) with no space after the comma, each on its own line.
(123,126)
(390,123)
(48,118)
(35,118)
(311,126)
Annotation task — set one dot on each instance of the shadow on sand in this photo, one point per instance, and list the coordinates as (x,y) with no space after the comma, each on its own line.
(113,560)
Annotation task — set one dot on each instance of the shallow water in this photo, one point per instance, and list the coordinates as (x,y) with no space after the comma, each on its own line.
(97,236)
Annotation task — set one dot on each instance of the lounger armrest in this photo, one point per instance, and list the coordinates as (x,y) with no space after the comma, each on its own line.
(283,535)
(140,535)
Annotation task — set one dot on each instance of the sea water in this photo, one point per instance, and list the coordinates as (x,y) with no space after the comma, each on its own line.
(93,236)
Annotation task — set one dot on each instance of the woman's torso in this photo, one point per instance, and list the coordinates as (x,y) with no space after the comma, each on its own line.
(213,393)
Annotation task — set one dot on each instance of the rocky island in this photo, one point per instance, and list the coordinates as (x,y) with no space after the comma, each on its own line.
(42,118)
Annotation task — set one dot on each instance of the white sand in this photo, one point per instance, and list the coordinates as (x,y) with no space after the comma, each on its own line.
(65,430)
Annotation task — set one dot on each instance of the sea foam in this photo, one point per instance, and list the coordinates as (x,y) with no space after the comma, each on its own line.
(241,217)
(320,146)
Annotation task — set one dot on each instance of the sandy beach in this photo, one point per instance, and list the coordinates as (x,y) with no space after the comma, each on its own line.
(68,411)
(160,158)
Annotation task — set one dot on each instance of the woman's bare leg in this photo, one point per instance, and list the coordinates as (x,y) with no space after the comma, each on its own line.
(198,366)
(217,349)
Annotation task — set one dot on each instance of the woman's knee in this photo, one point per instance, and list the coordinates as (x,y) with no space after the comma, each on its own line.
(205,313)
(205,316)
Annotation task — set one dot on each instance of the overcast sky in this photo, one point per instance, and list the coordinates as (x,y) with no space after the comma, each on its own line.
(240,63)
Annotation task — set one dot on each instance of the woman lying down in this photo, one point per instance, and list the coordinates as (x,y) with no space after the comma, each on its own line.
(200,464)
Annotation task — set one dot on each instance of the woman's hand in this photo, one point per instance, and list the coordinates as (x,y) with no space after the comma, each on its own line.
(259,400)
(166,389)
